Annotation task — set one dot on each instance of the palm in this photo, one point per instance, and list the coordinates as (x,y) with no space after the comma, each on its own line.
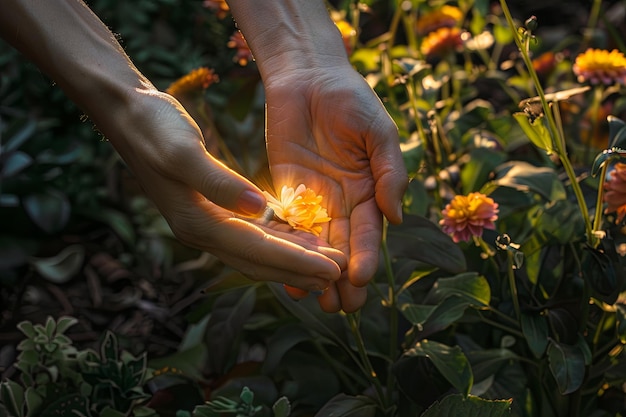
(333,135)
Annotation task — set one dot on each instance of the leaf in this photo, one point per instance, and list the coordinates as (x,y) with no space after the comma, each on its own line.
(230,312)
(64,323)
(108,348)
(419,239)
(282,407)
(567,364)
(525,177)
(283,339)
(457,406)
(535,330)
(14,163)
(480,165)
(344,405)
(617,132)
(431,319)
(62,267)
(50,210)
(450,361)
(27,328)
(536,131)
(620,310)
(472,287)
(12,396)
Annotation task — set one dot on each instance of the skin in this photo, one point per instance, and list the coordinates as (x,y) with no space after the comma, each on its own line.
(326,128)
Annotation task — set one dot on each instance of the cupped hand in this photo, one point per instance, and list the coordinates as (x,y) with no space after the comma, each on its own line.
(327,129)
(210,207)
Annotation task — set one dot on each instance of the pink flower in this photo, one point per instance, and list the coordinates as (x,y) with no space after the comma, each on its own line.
(467,216)
(615,192)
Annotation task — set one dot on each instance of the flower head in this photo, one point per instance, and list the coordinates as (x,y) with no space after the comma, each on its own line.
(445,16)
(243,54)
(220,7)
(601,66)
(467,216)
(196,81)
(347,33)
(442,41)
(301,208)
(615,191)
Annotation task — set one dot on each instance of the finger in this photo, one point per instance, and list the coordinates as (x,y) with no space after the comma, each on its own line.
(352,298)
(388,169)
(365,237)
(329,301)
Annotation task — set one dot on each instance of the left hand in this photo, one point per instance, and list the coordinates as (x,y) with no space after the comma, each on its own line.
(327,129)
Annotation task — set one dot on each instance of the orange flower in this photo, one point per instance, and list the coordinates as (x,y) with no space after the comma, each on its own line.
(467,216)
(442,41)
(197,80)
(243,53)
(545,63)
(600,66)
(301,208)
(347,33)
(615,191)
(220,7)
(445,16)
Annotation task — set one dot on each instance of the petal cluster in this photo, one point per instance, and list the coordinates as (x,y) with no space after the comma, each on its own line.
(197,80)
(599,66)
(243,54)
(467,216)
(300,208)
(615,191)
(442,41)
(445,16)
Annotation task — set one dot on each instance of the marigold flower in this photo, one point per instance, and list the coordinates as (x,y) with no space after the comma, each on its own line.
(220,7)
(442,41)
(467,216)
(300,208)
(615,191)
(601,66)
(195,81)
(347,33)
(243,54)
(545,63)
(445,16)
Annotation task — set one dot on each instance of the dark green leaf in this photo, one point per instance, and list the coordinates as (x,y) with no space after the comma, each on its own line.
(14,163)
(450,361)
(476,172)
(108,348)
(64,323)
(458,406)
(282,407)
(419,239)
(535,329)
(617,132)
(525,177)
(281,341)
(62,267)
(50,210)
(348,406)
(567,364)
(620,310)
(472,287)
(12,396)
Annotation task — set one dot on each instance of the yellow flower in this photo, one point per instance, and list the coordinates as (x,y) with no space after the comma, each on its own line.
(300,208)
(347,33)
(197,80)
(467,216)
(442,41)
(600,66)
(445,16)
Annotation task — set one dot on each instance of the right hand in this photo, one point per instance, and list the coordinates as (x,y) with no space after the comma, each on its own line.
(206,204)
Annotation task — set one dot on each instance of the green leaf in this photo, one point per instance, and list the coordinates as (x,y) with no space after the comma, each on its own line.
(12,396)
(247,396)
(457,406)
(64,323)
(344,405)
(68,406)
(14,163)
(567,364)
(281,341)
(472,287)
(535,329)
(27,328)
(108,348)
(50,210)
(525,177)
(432,319)
(420,239)
(620,310)
(480,165)
(282,407)
(617,132)
(62,267)
(536,131)
(450,361)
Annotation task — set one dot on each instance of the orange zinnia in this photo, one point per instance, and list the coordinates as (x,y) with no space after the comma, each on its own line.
(243,54)
(300,208)
(615,191)
(196,81)
(467,216)
(445,16)
(442,41)
(601,66)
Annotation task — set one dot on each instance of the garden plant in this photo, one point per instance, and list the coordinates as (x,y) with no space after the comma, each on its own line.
(502,293)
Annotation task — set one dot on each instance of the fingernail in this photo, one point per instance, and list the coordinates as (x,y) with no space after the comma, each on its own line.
(399,211)
(251,203)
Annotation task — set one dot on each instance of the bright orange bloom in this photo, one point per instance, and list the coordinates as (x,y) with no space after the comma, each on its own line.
(347,33)
(467,216)
(601,66)
(445,16)
(545,63)
(196,81)
(220,7)
(243,53)
(442,41)
(615,191)
(301,208)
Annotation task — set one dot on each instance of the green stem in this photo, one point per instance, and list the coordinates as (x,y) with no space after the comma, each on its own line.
(366,365)
(557,140)
(597,219)
(392,305)
(500,326)
(594,14)
(512,284)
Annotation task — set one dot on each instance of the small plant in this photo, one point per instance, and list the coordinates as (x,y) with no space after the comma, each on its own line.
(58,379)
(243,407)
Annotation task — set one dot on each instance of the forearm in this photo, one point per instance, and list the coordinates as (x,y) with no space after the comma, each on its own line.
(289,35)
(76,50)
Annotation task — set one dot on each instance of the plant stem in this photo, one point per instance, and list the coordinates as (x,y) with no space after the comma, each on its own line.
(557,139)
(366,365)
(597,219)
(392,305)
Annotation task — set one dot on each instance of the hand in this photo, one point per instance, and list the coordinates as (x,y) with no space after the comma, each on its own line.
(197,195)
(327,129)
